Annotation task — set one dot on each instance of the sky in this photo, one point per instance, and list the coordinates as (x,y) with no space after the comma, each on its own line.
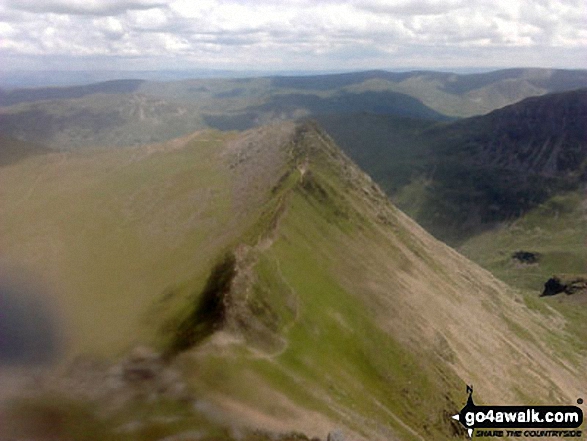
(291,35)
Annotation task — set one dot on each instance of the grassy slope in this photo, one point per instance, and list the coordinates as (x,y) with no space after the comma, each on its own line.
(343,276)
(557,232)
(134,222)
(347,314)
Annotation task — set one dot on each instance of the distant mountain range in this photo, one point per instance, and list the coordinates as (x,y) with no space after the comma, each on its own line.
(17,96)
(135,112)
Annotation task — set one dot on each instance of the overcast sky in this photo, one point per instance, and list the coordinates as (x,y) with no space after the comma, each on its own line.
(292,34)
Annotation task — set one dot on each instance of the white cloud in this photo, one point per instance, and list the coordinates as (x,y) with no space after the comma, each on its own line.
(82,7)
(411,7)
(298,33)
(112,28)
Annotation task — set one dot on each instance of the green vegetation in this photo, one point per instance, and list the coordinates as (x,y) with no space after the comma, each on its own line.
(331,310)
(555,231)
(120,229)
(462,178)
(339,350)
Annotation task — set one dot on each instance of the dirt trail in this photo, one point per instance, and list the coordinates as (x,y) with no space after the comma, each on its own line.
(248,257)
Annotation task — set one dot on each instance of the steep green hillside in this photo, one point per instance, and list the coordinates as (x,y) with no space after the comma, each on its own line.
(278,291)
(507,187)
(462,178)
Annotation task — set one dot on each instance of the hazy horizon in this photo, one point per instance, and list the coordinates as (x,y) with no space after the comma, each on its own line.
(296,35)
(21,78)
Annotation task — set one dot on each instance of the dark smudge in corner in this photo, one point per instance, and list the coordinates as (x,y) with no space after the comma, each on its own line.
(29,328)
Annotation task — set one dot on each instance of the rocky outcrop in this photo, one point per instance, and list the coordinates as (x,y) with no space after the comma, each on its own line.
(567,284)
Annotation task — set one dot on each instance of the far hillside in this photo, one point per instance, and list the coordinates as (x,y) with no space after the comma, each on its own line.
(508,188)
(137,112)
(12,150)
(456,95)
(460,178)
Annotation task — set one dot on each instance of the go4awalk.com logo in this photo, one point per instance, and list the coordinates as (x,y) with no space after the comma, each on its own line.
(520,421)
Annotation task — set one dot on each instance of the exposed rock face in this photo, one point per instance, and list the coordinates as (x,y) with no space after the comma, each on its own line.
(567,284)
(540,135)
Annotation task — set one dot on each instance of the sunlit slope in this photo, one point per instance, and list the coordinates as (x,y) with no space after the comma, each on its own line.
(110,231)
(330,308)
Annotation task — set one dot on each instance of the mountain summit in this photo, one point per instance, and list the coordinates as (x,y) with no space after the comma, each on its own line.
(269,279)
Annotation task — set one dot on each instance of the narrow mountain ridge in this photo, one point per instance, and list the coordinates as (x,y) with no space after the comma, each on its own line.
(293,298)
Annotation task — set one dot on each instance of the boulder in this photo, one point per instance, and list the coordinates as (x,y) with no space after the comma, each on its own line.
(567,284)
